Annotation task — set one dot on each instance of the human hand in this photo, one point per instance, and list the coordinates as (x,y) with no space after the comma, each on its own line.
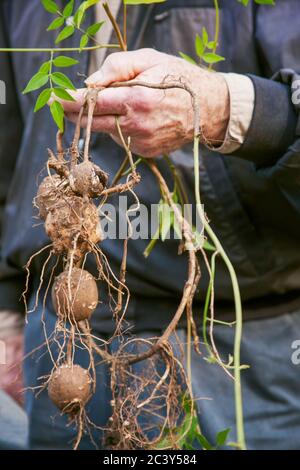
(11,375)
(11,353)
(157,121)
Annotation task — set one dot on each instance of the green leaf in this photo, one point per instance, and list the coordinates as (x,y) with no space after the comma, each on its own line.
(259,2)
(62,80)
(36,82)
(265,2)
(45,67)
(244,367)
(140,2)
(222,437)
(211,44)
(57,112)
(50,6)
(79,15)
(188,58)
(65,33)
(63,61)
(151,244)
(68,10)
(83,41)
(165,220)
(211,58)
(204,36)
(57,23)
(204,442)
(63,94)
(187,446)
(207,246)
(199,46)
(94,28)
(42,99)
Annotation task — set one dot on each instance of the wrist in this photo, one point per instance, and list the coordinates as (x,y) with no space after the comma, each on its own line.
(214,109)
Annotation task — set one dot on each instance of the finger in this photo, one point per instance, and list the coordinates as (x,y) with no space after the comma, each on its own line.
(122,66)
(72,106)
(109,101)
(106,124)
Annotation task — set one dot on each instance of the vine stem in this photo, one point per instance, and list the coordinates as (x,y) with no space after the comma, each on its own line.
(60,49)
(217,29)
(237,301)
(233,277)
(122,43)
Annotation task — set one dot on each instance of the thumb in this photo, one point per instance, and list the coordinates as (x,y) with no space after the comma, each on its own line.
(123,66)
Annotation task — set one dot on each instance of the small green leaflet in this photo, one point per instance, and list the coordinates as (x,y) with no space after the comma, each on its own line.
(211,44)
(94,28)
(265,2)
(62,80)
(222,437)
(83,41)
(68,10)
(204,36)
(259,2)
(57,23)
(42,99)
(202,43)
(50,6)
(57,112)
(45,67)
(82,9)
(65,33)
(211,58)
(63,61)
(199,46)
(63,94)
(36,82)
(208,246)
(204,442)
(164,214)
(188,58)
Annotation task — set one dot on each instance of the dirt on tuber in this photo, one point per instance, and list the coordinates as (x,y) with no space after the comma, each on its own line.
(73,224)
(87,179)
(75,295)
(70,388)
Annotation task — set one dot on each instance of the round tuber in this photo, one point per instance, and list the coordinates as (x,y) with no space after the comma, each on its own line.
(75,295)
(73,225)
(87,179)
(70,388)
(47,194)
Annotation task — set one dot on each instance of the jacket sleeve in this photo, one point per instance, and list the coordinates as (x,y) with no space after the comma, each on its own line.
(275,122)
(273,139)
(11,278)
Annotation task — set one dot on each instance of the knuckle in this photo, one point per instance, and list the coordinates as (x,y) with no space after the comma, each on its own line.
(143,99)
(112,62)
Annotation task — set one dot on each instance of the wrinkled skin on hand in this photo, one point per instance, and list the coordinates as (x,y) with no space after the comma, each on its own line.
(158,121)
